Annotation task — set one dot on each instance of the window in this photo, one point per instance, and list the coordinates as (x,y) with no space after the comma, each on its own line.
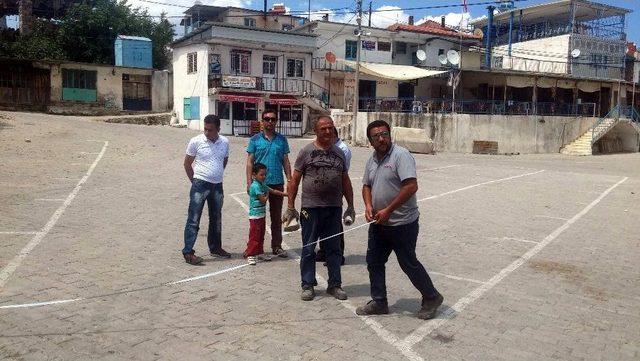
(192,63)
(79,79)
(224,110)
(350,49)
(414,58)
(250,22)
(384,46)
(214,64)
(269,65)
(290,113)
(241,62)
(401,48)
(440,52)
(295,68)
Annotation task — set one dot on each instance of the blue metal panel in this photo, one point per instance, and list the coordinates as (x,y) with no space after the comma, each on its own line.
(195,108)
(133,52)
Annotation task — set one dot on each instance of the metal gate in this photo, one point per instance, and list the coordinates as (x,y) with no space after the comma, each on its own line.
(136,92)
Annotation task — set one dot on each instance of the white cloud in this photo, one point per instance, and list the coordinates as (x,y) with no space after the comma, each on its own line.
(450,19)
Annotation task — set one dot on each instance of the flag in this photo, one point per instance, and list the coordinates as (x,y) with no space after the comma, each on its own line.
(464,6)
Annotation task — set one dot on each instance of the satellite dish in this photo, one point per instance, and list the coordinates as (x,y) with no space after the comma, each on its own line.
(356,32)
(575,53)
(453,57)
(442,59)
(421,55)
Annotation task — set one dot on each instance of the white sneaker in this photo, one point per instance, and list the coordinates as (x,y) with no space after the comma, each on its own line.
(251,260)
(264,257)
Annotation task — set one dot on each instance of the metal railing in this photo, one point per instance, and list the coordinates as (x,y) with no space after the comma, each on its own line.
(432,105)
(299,87)
(323,64)
(603,125)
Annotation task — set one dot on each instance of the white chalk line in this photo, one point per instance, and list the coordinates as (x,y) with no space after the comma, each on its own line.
(480,184)
(8,270)
(512,239)
(550,217)
(419,334)
(19,232)
(385,335)
(190,279)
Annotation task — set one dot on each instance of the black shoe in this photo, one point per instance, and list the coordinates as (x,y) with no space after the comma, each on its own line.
(372,308)
(221,253)
(430,307)
(337,292)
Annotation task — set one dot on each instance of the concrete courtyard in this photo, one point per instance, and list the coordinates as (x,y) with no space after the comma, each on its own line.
(536,255)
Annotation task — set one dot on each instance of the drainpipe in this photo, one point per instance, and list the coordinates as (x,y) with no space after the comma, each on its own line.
(488,40)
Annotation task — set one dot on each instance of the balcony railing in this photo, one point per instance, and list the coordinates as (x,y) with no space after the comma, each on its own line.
(419,106)
(298,87)
(323,64)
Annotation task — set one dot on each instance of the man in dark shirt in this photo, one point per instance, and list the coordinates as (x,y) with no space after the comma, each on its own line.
(321,166)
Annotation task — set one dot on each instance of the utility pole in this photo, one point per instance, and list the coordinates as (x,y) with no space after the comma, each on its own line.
(370,13)
(356,86)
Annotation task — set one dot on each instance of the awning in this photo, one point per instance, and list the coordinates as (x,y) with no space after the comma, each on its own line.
(239,97)
(283,100)
(393,71)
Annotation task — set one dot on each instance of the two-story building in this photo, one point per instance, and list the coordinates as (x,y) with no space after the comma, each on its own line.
(237,72)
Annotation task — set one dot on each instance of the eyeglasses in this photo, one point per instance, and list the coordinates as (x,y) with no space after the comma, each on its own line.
(384,134)
(270,119)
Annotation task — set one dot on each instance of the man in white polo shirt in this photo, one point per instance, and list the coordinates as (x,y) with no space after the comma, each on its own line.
(206,158)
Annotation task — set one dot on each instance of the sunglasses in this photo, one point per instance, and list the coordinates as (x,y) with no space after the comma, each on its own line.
(270,119)
(384,134)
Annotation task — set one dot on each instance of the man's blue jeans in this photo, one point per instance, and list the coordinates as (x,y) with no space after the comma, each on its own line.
(402,240)
(213,195)
(318,223)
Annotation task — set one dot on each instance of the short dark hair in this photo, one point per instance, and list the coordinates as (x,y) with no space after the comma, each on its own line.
(267,111)
(212,119)
(376,124)
(257,167)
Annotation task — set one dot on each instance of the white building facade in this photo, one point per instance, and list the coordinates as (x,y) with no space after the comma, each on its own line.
(238,72)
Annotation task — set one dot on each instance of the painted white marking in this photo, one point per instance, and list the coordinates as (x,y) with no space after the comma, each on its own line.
(244,206)
(512,239)
(480,184)
(68,179)
(208,274)
(550,217)
(38,304)
(10,232)
(420,333)
(457,278)
(49,199)
(387,336)
(8,270)
(425,169)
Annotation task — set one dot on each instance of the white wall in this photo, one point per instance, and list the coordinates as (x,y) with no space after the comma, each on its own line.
(554,60)
(190,85)
(328,41)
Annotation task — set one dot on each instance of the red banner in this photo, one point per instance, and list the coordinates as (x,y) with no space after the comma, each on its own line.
(231,97)
(283,100)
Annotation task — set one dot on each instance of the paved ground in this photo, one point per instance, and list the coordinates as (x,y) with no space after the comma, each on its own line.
(537,257)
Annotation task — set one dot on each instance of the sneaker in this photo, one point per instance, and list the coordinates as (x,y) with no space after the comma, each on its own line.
(221,253)
(430,307)
(280,253)
(192,259)
(264,257)
(251,260)
(337,292)
(308,293)
(372,308)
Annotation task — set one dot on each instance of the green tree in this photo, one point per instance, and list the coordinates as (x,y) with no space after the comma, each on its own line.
(87,33)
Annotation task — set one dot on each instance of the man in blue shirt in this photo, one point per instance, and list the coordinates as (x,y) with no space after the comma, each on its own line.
(271,149)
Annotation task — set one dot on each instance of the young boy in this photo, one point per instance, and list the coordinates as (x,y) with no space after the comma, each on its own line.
(258,196)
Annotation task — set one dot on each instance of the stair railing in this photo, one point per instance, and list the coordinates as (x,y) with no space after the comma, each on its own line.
(597,132)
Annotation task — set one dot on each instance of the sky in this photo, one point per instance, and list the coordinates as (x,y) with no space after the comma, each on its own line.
(396,10)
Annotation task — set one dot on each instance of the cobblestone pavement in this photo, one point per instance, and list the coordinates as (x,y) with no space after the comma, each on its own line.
(537,257)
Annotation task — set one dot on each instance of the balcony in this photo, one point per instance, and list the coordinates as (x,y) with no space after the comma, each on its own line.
(297,87)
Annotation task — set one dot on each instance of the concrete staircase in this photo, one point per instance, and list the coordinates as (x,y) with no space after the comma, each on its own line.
(584,144)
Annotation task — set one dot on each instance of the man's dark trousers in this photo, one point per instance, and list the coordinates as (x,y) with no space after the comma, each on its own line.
(402,240)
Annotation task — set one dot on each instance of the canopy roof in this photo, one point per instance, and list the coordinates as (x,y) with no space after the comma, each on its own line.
(393,71)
